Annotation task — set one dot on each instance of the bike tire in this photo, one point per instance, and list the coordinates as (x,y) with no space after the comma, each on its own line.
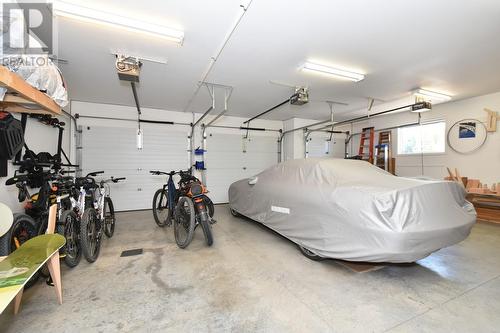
(69,228)
(184,220)
(109,221)
(8,244)
(159,208)
(89,239)
(207,231)
(210,205)
(22,223)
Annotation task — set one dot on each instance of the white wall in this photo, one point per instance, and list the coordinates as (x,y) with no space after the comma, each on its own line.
(483,164)
(293,143)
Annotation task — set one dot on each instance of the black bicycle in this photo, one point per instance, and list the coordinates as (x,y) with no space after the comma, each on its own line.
(165,199)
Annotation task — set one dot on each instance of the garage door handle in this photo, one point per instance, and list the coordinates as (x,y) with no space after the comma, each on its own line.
(244,168)
(139,189)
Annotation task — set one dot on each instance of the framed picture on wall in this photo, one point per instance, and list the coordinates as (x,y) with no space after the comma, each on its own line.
(467,130)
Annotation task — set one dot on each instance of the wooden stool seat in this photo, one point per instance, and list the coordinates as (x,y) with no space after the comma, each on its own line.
(18,267)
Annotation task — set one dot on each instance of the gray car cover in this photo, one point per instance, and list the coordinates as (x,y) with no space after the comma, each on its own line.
(352,210)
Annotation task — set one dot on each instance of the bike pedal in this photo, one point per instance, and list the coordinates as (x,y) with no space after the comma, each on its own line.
(213,221)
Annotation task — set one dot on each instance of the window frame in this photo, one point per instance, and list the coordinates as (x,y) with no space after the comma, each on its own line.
(444,152)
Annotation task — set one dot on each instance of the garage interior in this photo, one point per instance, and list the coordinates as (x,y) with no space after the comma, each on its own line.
(240,93)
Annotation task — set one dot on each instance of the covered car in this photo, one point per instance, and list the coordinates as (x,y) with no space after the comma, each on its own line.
(352,210)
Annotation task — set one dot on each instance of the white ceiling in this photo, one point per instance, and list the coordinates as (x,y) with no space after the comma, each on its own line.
(449,46)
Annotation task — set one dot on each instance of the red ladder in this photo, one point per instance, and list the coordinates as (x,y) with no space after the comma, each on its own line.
(367,134)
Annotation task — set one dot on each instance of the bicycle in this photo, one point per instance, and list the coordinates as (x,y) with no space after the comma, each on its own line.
(188,206)
(165,199)
(68,222)
(97,219)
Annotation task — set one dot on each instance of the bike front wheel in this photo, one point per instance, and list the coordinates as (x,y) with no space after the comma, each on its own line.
(109,217)
(69,228)
(207,231)
(89,234)
(161,213)
(184,222)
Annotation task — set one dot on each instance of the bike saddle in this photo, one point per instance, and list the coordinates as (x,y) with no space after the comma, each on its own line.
(84,181)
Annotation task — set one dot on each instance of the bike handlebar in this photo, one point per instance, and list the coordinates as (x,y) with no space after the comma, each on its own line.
(171,173)
(116,180)
(95,173)
(156,172)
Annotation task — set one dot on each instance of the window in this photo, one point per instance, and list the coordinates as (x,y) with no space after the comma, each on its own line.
(427,138)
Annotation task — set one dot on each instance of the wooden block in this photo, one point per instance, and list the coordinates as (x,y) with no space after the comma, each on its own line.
(478,190)
(51,225)
(464,181)
(473,183)
(491,123)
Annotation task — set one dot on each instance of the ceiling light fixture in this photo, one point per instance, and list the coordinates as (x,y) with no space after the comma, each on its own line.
(99,17)
(421,107)
(338,73)
(432,95)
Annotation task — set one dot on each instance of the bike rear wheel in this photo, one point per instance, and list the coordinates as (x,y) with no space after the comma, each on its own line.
(161,213)
(69,228)
(184,222)
(23,228)
(89,234)
(109,217)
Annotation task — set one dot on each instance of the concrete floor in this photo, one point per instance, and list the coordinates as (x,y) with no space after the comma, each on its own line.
(252,280)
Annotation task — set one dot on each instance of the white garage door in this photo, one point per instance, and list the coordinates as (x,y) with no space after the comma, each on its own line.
(114,151)
(320,145)
(230,157)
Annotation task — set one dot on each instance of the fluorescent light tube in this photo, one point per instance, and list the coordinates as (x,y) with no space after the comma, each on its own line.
(338,73)
(104,18)
(435,96)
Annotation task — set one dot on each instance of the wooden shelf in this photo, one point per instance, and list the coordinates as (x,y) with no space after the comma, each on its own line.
(487,206)
(21,97)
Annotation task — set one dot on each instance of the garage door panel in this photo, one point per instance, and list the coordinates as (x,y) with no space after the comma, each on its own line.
(114,151)
(230,158)
(260,160)
(224,142)
(262,144)
(218,183)
(319,145)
